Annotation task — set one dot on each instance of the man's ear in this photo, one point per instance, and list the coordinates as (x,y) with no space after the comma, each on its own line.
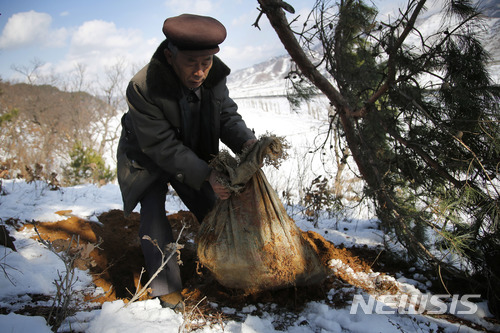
(168,55)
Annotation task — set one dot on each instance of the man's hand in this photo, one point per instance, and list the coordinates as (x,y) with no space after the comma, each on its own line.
(220,190)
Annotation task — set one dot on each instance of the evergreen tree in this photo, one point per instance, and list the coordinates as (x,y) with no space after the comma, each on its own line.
(420,119)
(87,165)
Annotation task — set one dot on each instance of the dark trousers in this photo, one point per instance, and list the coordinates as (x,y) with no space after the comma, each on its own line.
(155,224)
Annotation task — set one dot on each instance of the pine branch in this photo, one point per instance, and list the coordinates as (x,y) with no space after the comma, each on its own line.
(391,62)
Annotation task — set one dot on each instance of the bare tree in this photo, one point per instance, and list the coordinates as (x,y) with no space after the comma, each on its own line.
(79,78)
(30,72)
(113,88)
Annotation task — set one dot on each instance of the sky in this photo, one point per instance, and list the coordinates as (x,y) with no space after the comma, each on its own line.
(60,35)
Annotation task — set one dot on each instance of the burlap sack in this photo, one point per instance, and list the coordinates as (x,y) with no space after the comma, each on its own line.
(249,241)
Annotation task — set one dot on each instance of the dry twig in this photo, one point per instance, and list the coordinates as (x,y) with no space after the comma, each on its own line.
(174,248)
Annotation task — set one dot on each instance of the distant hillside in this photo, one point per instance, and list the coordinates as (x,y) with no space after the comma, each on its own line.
(264,87)
(44,104)
(41,124)
(264,79)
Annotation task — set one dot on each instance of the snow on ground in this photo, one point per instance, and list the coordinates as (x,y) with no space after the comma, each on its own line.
(32,269)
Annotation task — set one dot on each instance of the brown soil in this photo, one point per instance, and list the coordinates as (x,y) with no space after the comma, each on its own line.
(111,251)
(115,260)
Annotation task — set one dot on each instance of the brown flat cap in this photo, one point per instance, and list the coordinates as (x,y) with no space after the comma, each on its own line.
(195,33)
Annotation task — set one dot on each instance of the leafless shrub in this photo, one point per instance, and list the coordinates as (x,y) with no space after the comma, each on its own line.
(62,305)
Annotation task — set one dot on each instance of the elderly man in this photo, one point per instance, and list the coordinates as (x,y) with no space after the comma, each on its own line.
(179,108)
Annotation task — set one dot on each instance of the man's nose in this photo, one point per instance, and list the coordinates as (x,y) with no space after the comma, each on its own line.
(198,72)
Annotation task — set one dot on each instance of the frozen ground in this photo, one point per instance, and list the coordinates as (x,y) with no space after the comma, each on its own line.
(32,270)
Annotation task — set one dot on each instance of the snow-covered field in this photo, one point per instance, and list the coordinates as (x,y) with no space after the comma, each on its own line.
(33,268)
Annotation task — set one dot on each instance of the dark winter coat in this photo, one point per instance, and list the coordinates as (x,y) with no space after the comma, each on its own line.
(156,130)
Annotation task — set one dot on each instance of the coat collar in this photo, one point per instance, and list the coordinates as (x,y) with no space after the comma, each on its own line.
(162,81)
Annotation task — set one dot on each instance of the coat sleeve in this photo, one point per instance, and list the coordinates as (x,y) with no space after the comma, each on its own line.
(158,140)
(233,129)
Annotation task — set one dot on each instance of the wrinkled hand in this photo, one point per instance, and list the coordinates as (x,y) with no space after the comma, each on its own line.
(220,190)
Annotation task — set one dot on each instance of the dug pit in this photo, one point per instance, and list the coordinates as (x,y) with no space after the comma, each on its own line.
(112,254)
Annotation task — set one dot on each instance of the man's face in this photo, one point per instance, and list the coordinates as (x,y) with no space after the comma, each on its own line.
(191,70)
